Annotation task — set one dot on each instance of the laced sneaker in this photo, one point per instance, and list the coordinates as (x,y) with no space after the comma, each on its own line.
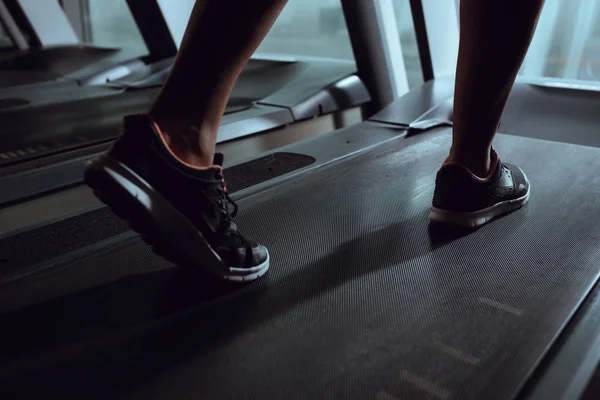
(465,200)
(184,213)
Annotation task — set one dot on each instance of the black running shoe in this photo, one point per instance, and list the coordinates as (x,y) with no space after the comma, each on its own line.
(184,213)
(465,200)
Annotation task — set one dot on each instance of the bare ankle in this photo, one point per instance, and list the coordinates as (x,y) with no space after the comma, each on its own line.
(188,153)
(189,145)
(480,167)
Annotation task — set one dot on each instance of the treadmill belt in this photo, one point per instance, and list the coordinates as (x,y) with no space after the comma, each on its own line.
(363,300)
(22,253)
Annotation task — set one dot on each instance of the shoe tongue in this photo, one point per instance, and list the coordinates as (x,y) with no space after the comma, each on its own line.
(218,160)
(229,227)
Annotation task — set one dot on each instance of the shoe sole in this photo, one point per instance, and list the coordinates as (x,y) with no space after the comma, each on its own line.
(164,228)
(478,218)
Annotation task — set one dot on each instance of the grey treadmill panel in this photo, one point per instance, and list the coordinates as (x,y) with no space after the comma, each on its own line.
(257,118)
(265,71)
(321,88)
(75,62)
(33,182)
(259,79)
(533,110)
(63,92)
(93,115)
(16,77)
(130,58)
(570,116)
(56,75)
(363,300)
(106,106)
(422,99)
(152,75)
(307,86)
(35,132)
(26,91)
(60,59)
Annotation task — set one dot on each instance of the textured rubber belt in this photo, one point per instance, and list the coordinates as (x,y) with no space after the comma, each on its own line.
(363,300)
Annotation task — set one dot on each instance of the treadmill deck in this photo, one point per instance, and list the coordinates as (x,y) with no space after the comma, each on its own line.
(364,300)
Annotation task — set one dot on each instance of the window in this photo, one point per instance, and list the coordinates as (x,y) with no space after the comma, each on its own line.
(567,41)
(109,23)
(318,28)
(310,28)
(305,27)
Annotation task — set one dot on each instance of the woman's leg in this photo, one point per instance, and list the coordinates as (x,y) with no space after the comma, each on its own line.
(494,38)
(220,38)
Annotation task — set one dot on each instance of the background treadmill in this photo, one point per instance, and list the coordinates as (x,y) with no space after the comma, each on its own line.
(48,151)
(49,63)
(44,144)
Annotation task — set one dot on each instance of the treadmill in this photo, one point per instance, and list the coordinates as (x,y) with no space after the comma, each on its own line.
(51,65)
(44,146)
(363,300)
(49,54)
(44,150)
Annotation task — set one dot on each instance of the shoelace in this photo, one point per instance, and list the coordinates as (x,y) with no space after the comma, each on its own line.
(226,201)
